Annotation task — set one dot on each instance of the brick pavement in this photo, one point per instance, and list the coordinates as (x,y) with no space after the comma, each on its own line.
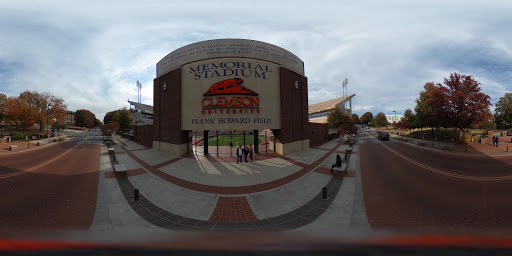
(60,195)
(231,190)
(292,220)
(399,195)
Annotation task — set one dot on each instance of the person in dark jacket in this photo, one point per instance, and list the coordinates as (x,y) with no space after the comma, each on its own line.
(337,164)
(246,152)
(239,153)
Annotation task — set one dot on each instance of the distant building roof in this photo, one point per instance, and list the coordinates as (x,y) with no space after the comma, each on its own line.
(146,109)
(320,120)
(327,105)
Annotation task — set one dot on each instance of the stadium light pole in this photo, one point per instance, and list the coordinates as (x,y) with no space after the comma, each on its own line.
(395,119)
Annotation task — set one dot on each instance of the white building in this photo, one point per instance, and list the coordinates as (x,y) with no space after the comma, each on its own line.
(393,118)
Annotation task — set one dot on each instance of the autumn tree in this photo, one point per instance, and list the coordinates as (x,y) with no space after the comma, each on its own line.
(109,116)
(32,107)
(465,103)
(15,111)
(3,99)
(503,110)
(337,117)
(355,118)
(84,118)
(124,118)
(431,109)
(366,118)
(380,120)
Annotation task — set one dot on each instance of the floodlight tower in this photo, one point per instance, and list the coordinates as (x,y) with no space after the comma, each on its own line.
(345,94)
(139,91)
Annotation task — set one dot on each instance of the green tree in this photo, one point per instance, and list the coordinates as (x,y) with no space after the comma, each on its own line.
(366,118)
(503,115)
(355,118)
(84,118)
(380,120)
(124,118)
(488,125)
(409,116)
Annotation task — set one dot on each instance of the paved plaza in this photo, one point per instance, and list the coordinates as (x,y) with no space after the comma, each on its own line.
(386,186)
(198,193)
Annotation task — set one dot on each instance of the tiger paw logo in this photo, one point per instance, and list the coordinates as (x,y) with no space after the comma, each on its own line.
(230,96)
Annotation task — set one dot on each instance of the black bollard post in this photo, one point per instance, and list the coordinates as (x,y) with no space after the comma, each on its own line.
(114,157)
(136,195)
(28,145)
(324,193)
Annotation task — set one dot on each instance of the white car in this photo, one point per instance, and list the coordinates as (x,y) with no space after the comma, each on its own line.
(368,130)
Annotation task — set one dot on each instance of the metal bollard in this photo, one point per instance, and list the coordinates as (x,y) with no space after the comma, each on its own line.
(28,145)
(324,193)
(136,195)
(114,157)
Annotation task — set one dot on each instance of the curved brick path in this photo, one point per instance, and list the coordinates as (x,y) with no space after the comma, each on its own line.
(230,213)
(292,220)
(230,190)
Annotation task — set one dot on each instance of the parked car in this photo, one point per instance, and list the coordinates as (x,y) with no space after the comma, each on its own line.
(383,136)
(368,130)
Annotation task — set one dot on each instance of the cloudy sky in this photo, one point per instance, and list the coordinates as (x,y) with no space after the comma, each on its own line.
(91,53)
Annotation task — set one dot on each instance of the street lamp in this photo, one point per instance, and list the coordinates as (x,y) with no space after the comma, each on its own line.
(48,121)
(395,120)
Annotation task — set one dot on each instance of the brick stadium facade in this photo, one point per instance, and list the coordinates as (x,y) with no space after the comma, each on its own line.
(230,84)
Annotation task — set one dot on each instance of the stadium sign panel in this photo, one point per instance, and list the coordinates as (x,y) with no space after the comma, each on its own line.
(230,94)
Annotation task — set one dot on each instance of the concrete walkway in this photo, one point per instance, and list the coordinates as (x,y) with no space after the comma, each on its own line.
(179,193)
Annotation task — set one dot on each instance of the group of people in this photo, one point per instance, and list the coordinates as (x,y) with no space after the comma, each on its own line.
(244,152)
(495,140)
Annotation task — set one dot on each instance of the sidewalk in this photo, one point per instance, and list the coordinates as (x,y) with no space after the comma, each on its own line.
(27,145)
(179,193)
(504,146)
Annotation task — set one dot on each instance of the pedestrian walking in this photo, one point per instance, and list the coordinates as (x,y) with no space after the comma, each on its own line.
(239,153)
(251,151)
(493,140)
(246,152)
(497,139)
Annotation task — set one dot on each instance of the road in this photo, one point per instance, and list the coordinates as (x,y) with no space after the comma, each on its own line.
(52,188)
(411,188)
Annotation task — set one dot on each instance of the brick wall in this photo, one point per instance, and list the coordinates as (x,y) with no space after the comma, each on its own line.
(143,134)
(294,107)
(319,134)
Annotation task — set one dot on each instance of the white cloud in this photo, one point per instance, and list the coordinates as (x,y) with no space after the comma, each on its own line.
(91,53)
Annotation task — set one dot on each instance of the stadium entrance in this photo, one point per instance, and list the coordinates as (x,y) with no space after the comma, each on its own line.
(207,95)
(225,143)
